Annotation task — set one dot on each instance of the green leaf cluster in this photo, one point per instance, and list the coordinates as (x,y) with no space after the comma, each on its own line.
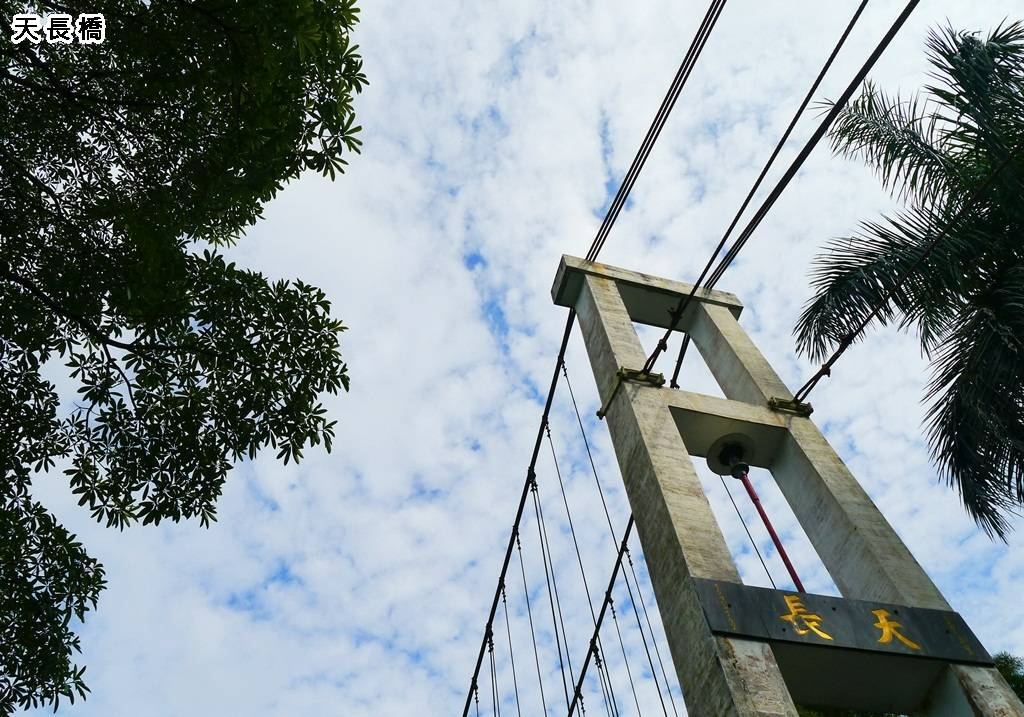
(124,167)
(955,155)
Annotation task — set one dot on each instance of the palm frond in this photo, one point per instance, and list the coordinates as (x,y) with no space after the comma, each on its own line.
(860,272)
(937,150)
(897,138)
(976,421)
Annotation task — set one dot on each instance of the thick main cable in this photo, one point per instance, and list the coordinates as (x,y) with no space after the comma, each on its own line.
(783,182)
(696,46)
(764,172)
(682,75)
(819,133)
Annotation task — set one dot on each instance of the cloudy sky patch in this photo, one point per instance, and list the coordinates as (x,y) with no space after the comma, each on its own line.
(358,583)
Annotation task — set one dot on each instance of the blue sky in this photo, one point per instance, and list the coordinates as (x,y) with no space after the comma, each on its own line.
(357,583)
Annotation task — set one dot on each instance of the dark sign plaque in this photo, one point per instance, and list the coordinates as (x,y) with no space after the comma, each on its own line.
(780,616)
(855,654)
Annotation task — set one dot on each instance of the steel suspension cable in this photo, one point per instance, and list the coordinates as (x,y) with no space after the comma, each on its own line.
(611,531)
(625,660)
(819,133)
(533,633)
(606,686)
(696,47)
(682,75)
(650,627)
(494,679)
(743,522)
(600,617)
(551,593)
(554,581)
(583,573)
(514,537)
(572,531)
(639,625)
(784,181)
(760,178)
(511,652)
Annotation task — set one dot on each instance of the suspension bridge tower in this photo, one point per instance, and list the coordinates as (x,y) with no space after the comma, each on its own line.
(890,644)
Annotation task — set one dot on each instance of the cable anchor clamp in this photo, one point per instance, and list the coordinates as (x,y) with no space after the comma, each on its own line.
(790,405)
(657,380)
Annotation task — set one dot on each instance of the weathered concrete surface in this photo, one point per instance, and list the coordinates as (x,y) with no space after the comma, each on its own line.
(678,530)
(862,552)
(679,533)
(648,299)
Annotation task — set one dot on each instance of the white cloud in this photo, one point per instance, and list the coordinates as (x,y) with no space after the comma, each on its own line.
(358,583)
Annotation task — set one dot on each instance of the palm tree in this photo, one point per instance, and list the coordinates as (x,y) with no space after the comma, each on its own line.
(954,155)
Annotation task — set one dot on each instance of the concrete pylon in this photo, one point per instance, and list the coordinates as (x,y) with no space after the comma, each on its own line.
(655,431)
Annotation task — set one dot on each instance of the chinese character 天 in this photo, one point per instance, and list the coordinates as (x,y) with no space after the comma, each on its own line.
(804,622)
(891,629)
(60,28)
(27,26)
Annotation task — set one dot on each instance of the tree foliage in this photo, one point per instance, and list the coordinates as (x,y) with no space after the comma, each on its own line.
(123,167)
(1011,668)
(955,155)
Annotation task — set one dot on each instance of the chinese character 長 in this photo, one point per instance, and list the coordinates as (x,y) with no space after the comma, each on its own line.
(60,28)
(890,629)
(803,621)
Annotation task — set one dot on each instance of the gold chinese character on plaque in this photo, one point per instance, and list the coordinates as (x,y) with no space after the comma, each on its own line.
(890,629)
(803,620)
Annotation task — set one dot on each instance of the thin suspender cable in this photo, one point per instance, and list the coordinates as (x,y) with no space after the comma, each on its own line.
(611,531)
(554,580)
(639,624)
(650,627)
(786,178)
(511,652)
(764,171)
(579,558)
(604,692)
(533,634)
(494,679)
(625,660)
(513,538)
(745,528)
(844,343)
(600,617)
(476,696)
(681,76)
(605,682)
(586,587)
(551,593)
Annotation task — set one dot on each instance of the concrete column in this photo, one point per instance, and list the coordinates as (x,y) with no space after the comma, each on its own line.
(862,552)
(680,536)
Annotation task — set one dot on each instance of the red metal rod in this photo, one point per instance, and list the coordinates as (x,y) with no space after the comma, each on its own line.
(771,531)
